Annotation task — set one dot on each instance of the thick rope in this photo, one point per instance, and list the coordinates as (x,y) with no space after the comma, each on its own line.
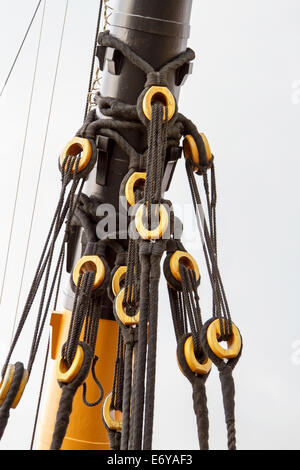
(187,321)
(139,391)
(201,411)
(228,392)
(10,397)
(130,340)
(114,440)
(137,433)
(151,357)
(67,397)
(43,269)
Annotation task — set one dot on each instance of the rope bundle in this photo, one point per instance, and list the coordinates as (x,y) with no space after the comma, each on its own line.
(129,411)
(64,212)
(162,134)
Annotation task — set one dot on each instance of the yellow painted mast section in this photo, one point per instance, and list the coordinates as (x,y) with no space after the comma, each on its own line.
(86,430)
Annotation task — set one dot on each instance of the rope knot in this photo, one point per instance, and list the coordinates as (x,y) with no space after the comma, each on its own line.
(156,79)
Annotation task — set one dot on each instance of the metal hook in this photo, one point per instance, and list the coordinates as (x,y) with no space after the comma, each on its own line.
(87,403)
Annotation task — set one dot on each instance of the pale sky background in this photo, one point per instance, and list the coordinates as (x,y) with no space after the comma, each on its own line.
(245,96)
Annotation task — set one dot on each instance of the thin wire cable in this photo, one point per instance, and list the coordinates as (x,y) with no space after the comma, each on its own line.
(40,395)
(95,83)
(23,152)
(20,48)
(41,163)
(90,88)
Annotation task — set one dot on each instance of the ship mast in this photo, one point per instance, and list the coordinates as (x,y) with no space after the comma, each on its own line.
(157,31)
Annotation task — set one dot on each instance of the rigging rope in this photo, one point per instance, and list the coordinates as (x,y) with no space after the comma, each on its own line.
(65,207)
(126,116)
(41,161)
(20,48)
(92,83)
(65,204)
(187,321)
(136,298)
(82,334)
(22,155)
(92,88)
(40,395)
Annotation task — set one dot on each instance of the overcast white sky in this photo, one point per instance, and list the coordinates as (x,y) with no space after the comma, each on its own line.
(245,96)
